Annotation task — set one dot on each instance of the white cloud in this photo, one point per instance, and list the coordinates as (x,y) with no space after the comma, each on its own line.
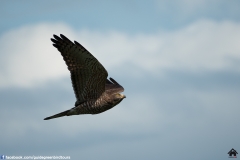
(28,57)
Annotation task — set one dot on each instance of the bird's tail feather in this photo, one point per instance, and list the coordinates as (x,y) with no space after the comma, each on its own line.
(57,115)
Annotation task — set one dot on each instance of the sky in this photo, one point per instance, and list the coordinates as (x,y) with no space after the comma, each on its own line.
(178,60)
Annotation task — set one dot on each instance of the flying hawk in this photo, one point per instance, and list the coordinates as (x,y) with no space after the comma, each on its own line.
(94,92)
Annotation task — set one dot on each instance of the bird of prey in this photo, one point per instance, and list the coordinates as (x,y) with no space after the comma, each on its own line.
(94,92)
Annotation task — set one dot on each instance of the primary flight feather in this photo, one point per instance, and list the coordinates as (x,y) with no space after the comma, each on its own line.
(94,92)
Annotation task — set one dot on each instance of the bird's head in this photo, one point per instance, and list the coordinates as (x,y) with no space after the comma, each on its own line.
(117,98)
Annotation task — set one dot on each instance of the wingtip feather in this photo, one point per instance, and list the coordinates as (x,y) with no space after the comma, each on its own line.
(55,45)
(57,38)
(62,36)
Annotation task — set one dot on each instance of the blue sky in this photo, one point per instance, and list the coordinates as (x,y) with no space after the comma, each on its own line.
(177,60)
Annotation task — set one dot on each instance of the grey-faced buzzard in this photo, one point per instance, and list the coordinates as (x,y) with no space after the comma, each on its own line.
(93,91)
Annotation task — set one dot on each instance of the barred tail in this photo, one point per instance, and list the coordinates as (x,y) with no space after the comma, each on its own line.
(57,115)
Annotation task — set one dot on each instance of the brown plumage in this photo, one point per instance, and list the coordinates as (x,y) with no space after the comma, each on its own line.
(93,91)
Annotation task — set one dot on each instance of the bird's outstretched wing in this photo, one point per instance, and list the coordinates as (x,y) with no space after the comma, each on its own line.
(112,86)
(87,73)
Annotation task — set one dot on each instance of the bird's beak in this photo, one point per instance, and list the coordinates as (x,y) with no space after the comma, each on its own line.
(123,96)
